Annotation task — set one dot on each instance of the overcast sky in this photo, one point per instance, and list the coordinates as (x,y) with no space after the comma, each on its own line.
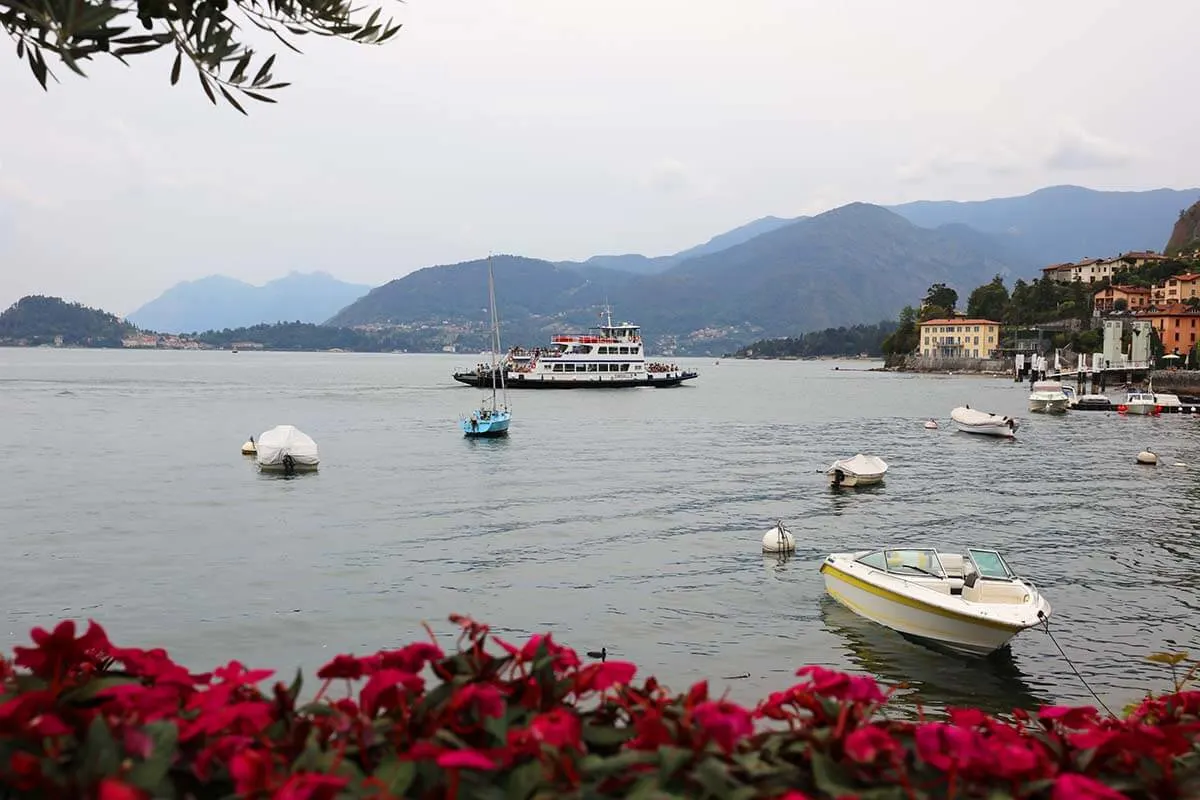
(563,129)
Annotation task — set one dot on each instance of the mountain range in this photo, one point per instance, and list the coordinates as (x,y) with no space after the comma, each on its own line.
(774,276)
(858,263)
(218,302)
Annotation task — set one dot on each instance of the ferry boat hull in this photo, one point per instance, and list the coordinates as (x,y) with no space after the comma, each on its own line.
(664,380)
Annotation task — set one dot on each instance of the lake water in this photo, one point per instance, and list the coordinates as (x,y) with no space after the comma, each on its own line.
(630,519)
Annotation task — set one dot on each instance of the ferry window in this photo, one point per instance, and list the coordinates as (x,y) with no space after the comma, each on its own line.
(874,560)
(591,367)
(558,367)
(624,368)
(625,350)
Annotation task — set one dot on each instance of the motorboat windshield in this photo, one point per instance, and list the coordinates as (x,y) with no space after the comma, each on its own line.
(990,565)
(910,562)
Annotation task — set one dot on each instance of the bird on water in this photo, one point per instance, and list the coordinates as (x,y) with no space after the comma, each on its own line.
(601,654)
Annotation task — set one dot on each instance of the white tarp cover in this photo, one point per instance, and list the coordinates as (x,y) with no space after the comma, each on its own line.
(860,465)
(976,418)
(286,440)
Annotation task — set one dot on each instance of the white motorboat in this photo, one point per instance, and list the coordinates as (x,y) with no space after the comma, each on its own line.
(970,420)
(286,449)
(971,603)
(858,471)
(1048,397)
(1138,402)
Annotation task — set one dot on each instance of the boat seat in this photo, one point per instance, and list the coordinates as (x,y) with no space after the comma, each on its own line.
(952,563)
(985,591)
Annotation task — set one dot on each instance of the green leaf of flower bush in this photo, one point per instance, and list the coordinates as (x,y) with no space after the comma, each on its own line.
(150,774)
(101,757)
(524,780)
(396,776)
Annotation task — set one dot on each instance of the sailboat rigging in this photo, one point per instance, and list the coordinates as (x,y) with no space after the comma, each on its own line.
(493,420)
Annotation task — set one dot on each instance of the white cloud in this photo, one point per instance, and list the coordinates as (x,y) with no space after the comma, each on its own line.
(1079,149)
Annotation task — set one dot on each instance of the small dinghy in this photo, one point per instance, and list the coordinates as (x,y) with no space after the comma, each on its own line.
(248,449)
(971,603)
(931,424)
(858,471)
(970,420)
(287,449)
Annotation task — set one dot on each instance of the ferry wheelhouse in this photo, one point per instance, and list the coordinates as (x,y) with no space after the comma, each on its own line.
(613,357)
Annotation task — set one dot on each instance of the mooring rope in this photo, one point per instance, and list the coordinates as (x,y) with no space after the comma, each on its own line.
(1046,627)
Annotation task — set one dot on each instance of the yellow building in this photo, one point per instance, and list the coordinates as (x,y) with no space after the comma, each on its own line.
(1178,289)
(959,338)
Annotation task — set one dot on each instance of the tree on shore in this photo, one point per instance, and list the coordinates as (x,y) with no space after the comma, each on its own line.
(208,34)
(939,301)
(988,301)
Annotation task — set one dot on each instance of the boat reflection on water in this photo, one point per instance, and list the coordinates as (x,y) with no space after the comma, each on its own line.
(994,684)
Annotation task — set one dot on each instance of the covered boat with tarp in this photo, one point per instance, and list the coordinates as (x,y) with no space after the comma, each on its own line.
(286,449)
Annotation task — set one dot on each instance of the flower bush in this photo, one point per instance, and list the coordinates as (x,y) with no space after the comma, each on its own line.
(81,717)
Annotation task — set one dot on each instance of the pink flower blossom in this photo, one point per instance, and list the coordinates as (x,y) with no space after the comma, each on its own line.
(866,744)
(559,728)
(598,677)
(726,723)
(465,759)
(1073,786)
(842,686)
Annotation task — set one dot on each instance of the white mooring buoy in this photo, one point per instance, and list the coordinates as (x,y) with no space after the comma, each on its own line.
(779,540)
(1148,458)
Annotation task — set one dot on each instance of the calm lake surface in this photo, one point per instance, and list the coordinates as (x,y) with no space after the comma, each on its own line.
(630,519)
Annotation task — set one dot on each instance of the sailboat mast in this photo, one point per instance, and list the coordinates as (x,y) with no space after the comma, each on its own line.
(495,338)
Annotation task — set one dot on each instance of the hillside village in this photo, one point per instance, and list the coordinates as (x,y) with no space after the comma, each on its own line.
(1163,290)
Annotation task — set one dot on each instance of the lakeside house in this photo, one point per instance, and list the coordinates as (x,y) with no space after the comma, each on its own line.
(1177,289)
(1092,270)
(1176,325)
(1135,297)
(959,338)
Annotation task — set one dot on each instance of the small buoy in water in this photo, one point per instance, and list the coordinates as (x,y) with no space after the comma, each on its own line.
(248,449)
(1147,457)
(1180,464)
(778,540)
(931,424)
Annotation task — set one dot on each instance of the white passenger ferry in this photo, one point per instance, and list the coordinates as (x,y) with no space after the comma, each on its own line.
(611,359)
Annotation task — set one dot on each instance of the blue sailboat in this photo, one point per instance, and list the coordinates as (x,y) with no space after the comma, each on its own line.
(490,419)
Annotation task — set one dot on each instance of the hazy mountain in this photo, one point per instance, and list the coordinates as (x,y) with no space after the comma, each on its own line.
(856,264)
(1064,223)
(646,265)
(218,302)
(859,263)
